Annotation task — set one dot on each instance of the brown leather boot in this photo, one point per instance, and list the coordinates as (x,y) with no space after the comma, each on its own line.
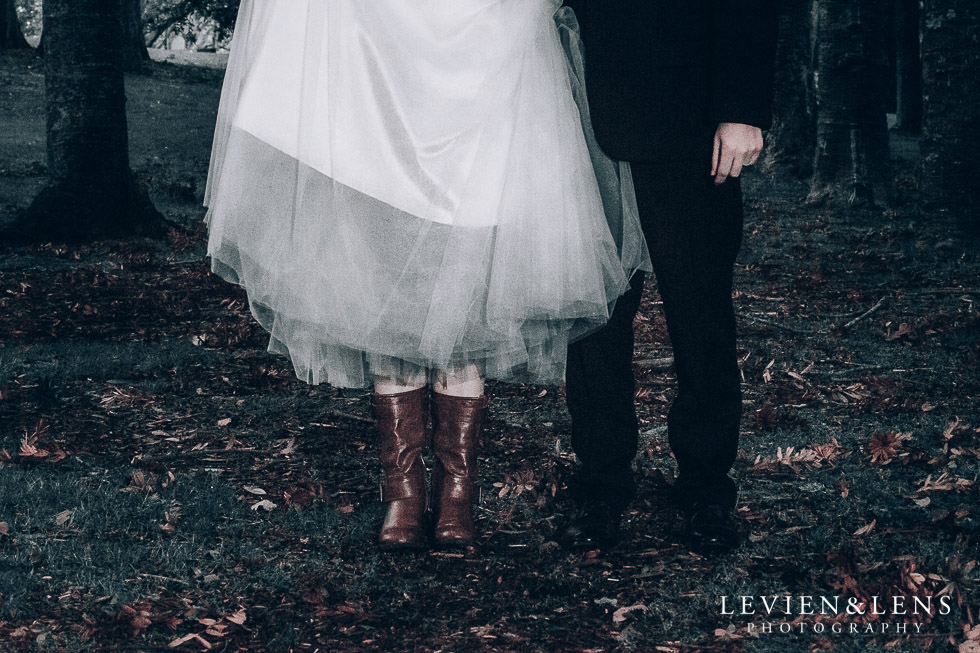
(401,419)
(456,423)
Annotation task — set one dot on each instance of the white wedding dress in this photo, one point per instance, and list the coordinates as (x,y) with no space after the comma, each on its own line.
(397,181)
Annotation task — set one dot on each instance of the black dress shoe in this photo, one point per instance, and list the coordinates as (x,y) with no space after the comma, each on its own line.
(712,528)
(596,527)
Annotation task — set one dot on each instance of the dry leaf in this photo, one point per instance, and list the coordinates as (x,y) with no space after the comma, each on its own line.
(945,483)
(903,330)
(4,528)
(864,530)
(224,422)
(265,504)
(950,430)
(620,615)
(255,490)
(181,640)
(217,630)
(725,633)
(884,447)
(62,517)
(237,618)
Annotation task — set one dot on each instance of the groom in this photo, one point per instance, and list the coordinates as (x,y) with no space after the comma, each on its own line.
(682,90)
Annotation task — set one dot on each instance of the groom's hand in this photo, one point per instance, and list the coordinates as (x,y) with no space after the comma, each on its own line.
(736,145)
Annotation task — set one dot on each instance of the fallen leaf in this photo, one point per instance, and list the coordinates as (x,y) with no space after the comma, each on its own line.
(62,517)
(620,615)
(217,630)
(255,490)
(950,430)
(903,330)
(181,640)
(972,633)
(864,530)
(224,422)
(265,504)
(726,633)
(884,447)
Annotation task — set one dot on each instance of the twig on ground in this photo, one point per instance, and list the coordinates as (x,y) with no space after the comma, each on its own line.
(865,314)
(776,325)
(657,363)
(166,578)
(763,298)
(351,416)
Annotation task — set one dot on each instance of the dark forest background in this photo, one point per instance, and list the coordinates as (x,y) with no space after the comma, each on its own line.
(844,68)
(167,484)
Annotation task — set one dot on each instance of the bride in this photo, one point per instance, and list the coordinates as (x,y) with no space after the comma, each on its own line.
(411,195)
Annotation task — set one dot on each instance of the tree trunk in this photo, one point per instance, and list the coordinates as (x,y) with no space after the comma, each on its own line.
(91,190)
(851,162)
(135,54)
(909,64)
(790,141)
(951,117)
(11,36)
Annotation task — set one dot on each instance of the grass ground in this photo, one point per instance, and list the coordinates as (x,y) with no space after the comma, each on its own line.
(167,484)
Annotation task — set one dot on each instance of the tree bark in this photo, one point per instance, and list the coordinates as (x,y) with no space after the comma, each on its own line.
(789,144)
(909,65)
(951,116)
(134,51)
(91,190)
(11,36)
(851,162)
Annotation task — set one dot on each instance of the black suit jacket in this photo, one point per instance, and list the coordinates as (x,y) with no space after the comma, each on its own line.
(661,74)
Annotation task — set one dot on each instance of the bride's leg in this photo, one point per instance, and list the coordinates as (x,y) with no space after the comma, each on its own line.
(460,381)
(400,402)
(459,409)
(394,376)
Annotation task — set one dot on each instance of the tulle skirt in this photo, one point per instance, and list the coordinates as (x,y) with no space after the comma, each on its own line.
(417,184)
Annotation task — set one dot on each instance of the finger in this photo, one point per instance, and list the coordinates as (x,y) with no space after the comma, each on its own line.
(736,167)
(725,163)
(757,152)
(715,155)
(753,158)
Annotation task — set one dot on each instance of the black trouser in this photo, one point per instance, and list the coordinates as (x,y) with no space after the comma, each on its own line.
(694,231)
